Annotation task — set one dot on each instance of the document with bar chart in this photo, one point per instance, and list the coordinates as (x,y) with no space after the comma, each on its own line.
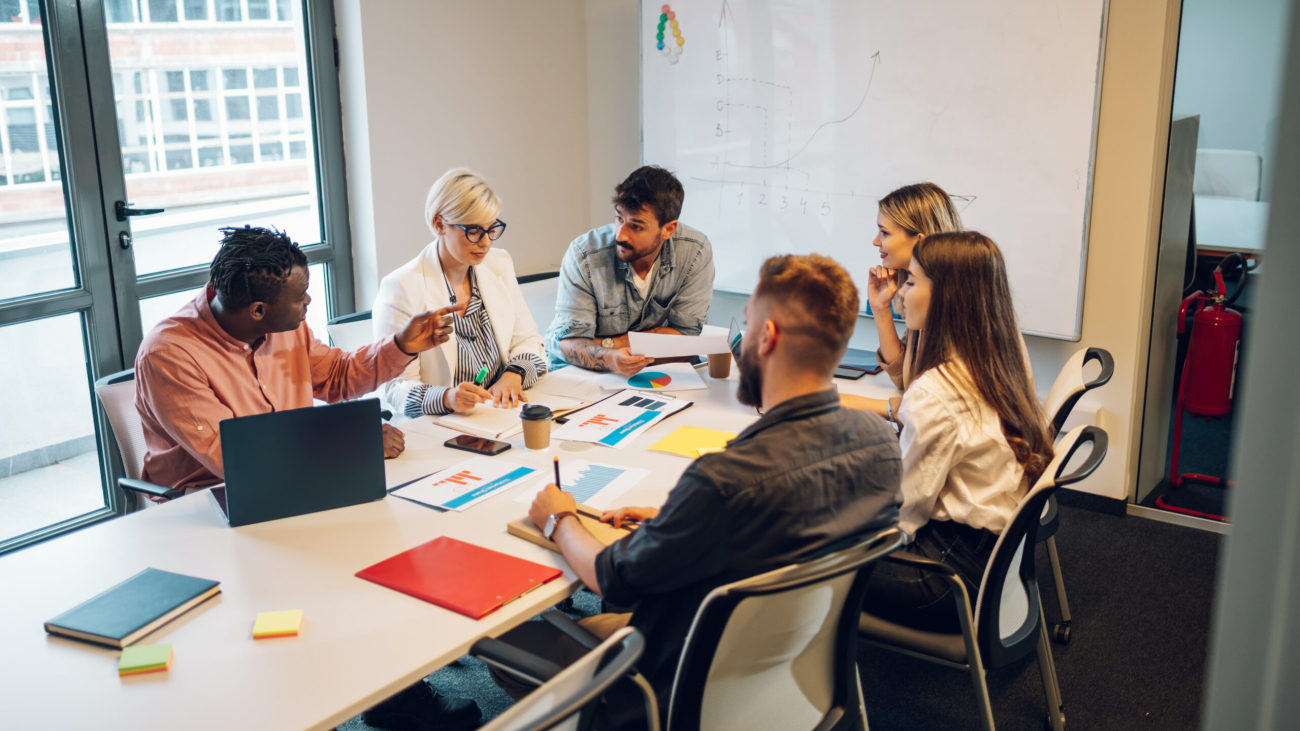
(593,484)
(466,483)
(620,419)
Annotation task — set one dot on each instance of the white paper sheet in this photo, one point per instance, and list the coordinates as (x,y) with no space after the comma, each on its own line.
(655,377)
(466,483)
(593,484)
(658,345)
(620,419)
(572,382)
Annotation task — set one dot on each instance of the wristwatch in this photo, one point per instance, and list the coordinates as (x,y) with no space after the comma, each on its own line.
(554,521)
(607,343)
(517,370)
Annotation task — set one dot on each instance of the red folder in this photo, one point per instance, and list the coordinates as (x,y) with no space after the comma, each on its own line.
(459,576)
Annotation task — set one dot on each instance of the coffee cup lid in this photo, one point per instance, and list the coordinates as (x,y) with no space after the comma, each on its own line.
(535,412)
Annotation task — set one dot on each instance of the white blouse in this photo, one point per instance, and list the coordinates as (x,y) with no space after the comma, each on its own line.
(957,464)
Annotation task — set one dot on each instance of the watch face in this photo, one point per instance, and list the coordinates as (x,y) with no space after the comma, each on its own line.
(550,528)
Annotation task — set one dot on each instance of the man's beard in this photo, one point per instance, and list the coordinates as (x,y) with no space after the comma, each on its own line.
(750,392)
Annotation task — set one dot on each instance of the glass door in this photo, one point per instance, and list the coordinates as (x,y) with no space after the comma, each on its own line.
(58,325)
(201,114)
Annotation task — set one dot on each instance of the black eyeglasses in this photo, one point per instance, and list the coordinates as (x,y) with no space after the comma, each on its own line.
(475,233)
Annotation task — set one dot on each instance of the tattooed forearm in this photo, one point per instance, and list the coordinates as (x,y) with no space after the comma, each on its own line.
(584,353)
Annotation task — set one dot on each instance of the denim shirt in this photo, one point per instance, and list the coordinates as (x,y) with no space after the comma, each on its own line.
(597,298)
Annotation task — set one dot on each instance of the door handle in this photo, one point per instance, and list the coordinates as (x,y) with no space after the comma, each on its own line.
(123,210)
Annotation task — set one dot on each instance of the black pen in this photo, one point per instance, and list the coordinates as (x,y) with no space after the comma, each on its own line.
(556,462)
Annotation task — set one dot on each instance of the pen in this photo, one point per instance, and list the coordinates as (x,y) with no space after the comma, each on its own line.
(482,374)
(556,462)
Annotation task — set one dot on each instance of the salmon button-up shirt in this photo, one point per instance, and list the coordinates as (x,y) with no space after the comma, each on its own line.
(190,374)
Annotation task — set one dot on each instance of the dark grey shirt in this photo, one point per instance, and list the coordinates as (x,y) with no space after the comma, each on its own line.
(802,478)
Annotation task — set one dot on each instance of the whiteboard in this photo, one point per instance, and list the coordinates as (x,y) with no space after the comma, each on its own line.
(786,120)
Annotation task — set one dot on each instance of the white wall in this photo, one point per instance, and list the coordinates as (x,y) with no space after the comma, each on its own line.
(495,85)
(1229,71)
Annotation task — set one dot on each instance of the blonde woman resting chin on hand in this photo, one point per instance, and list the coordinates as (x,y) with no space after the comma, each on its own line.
(906,217)
(495,332)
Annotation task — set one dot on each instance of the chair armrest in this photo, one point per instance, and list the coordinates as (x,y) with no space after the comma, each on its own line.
(919,562)
(148,488)
(514,660)
(575,631)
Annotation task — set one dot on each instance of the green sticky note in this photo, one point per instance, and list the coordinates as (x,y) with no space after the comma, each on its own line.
(144,659)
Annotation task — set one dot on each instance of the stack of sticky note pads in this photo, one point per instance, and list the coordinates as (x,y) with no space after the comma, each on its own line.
(141,659)
(277,624)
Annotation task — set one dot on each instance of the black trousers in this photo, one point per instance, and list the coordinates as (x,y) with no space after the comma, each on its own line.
(921,599)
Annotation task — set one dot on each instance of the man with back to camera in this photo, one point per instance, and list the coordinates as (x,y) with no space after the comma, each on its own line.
(646,272)
(798,481)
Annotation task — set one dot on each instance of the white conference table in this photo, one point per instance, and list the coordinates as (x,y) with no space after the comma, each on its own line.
(360,642)
(1228,225)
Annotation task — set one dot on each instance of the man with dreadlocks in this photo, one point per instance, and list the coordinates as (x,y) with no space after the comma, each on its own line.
(242,347)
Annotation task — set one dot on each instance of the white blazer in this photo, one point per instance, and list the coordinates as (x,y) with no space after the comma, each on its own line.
(418,285)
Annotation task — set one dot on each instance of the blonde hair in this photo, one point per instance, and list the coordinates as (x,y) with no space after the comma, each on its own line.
(923,208)
(461,196)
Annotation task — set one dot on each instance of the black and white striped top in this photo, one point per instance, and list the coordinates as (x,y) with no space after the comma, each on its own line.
(476,347)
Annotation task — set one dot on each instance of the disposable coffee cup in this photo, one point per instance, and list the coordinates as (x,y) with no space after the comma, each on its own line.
(537,426)
(719,365)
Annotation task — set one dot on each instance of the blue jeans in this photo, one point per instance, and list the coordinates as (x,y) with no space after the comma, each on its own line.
(922,599)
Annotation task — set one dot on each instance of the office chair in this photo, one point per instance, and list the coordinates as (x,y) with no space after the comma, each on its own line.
(751,638)
(1007,622)
(350,332)
(1066,392)
(116,394)
(564,693)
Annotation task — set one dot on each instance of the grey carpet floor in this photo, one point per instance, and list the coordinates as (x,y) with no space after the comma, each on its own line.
(1140,592)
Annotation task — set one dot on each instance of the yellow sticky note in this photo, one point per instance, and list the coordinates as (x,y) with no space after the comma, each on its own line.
(277,624)
(709,450)
(693,441)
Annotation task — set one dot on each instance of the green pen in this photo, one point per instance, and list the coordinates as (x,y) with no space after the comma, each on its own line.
(482,374)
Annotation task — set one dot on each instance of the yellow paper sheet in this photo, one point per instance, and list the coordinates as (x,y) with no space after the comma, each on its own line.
(277,624)
(689,441)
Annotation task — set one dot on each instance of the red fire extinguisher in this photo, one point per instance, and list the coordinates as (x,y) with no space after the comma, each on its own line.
(1210,368)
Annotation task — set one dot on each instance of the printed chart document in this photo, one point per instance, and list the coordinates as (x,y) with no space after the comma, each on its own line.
(572,382)
(466,483)
(489,421)
(657,345)
(666,377)
(593,484)
(620,419)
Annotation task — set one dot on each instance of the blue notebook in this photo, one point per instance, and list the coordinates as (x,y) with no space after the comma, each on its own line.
(133,608)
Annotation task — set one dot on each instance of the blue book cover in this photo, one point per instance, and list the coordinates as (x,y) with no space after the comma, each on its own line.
(134,608)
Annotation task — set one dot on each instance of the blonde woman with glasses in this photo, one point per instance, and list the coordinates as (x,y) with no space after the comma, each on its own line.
(495,332)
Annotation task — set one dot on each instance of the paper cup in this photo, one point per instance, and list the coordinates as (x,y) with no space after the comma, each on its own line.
(536,419)
(719,366)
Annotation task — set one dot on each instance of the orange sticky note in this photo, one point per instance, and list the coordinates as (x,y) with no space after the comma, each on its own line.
(277,624)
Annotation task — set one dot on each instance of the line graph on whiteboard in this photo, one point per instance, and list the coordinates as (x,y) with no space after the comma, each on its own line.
(787,120)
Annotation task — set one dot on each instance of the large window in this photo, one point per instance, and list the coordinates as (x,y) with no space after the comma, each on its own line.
(205,109)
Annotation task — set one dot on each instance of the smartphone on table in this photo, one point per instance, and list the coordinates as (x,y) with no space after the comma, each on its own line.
(477,445)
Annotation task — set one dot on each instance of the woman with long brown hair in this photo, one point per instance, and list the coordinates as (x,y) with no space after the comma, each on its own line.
(974,436)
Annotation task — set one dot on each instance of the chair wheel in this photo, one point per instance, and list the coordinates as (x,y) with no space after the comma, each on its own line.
(1047,722)
(1061,634)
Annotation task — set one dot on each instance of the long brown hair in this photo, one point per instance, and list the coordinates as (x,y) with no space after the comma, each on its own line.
(971,319)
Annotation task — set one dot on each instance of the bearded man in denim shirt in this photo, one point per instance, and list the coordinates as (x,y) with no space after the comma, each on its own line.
(646,272)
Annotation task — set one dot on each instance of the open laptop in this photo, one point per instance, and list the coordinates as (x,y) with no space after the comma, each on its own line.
(289,463)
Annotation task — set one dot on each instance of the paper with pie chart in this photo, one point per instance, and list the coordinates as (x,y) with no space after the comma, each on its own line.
(592,484)
(620,419)
(666,377)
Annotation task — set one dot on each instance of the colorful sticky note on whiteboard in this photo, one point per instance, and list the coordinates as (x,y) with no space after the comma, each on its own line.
(140,659)
(277,624)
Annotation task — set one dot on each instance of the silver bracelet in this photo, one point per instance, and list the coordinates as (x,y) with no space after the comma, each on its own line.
(889,411)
